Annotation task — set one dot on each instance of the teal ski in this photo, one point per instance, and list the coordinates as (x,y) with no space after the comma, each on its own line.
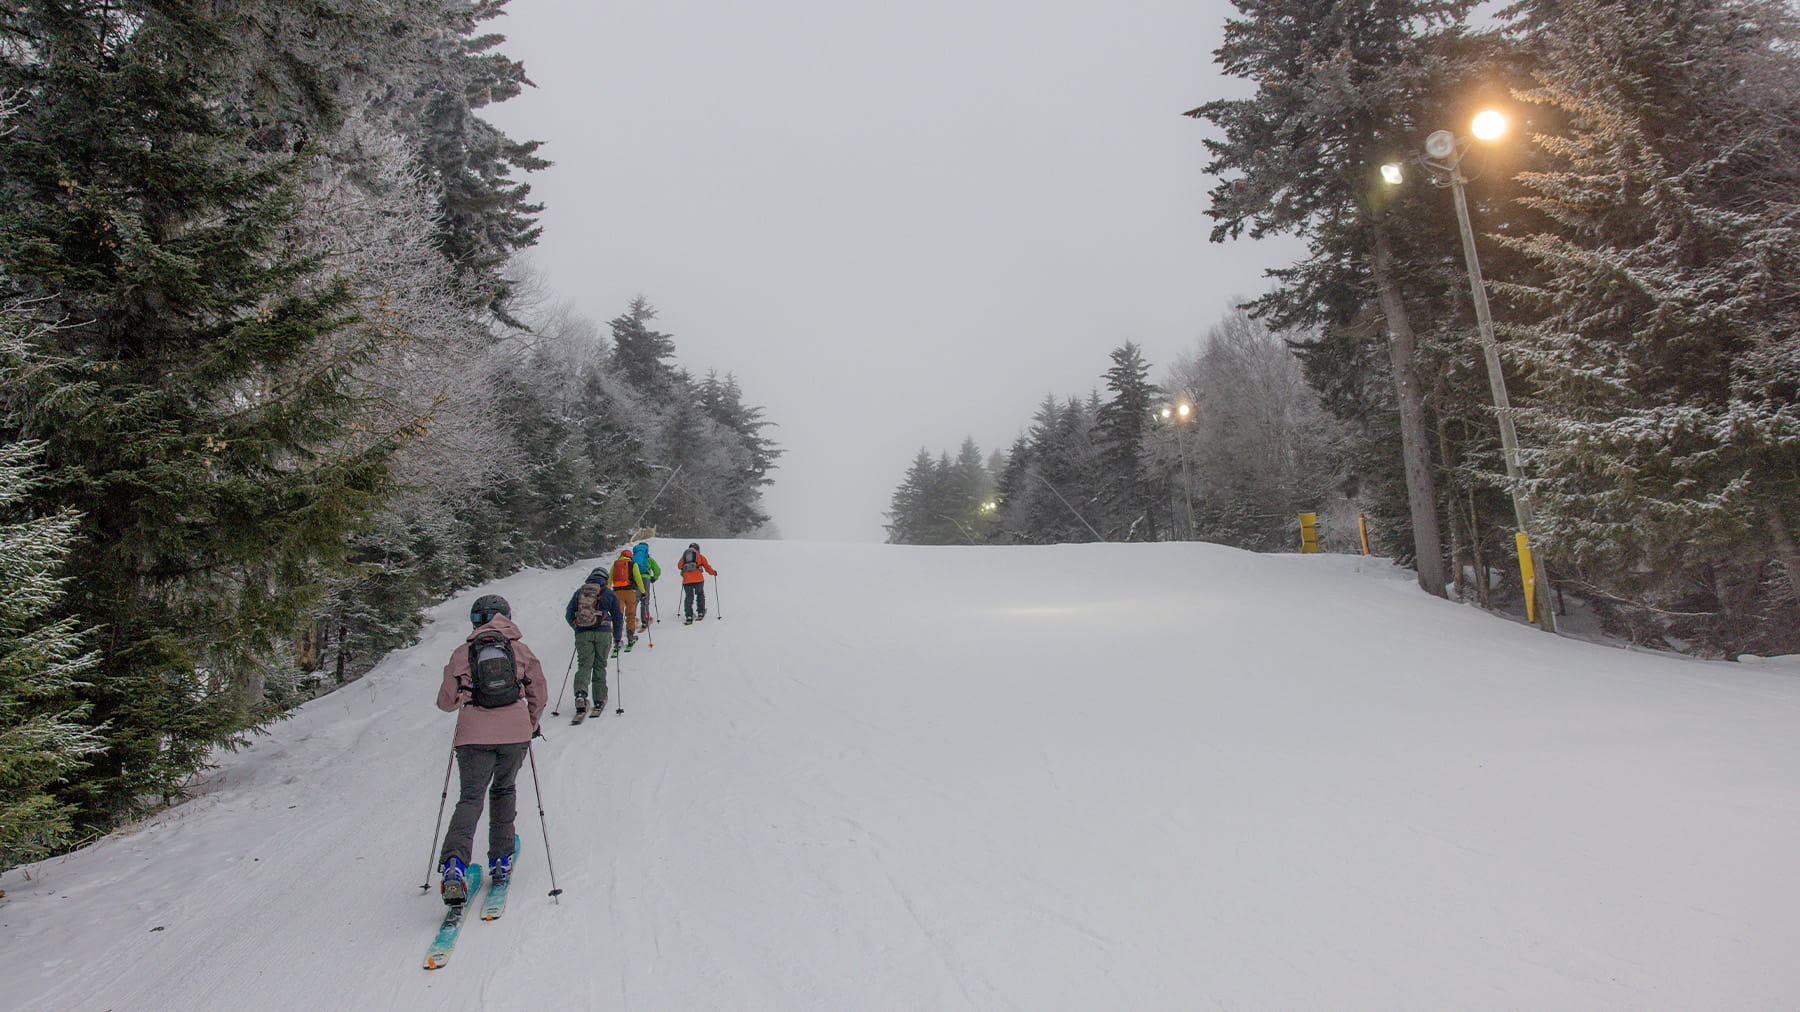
(493,904)
(439,953)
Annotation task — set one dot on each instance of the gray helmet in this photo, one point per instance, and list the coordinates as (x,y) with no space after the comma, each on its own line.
(486,607)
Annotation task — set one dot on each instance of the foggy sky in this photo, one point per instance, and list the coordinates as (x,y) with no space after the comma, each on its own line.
(898,223)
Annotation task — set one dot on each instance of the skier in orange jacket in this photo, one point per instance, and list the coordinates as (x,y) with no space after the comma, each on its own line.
(628,583)
(694,568)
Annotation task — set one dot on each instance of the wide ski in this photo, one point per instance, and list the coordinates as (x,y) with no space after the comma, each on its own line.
(441,946)
(493,902)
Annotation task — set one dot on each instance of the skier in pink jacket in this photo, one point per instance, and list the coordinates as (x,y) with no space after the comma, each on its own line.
(496,685)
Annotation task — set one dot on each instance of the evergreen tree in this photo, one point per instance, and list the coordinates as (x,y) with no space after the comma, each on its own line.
(1665,345)
(1342,87)
(1122,423)
(907,516)
(972,484)
(752,454)
(44,734)
(645,356)
(486,212)
(184,417)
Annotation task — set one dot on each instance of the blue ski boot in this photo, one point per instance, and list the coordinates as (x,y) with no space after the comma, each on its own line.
(456,881)
(500,868)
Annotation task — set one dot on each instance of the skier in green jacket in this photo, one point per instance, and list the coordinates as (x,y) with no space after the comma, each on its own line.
(649,570)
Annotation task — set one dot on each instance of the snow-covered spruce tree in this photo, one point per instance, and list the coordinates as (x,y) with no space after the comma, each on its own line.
(710,458)
(643,356)
(45,733)
(1131,500)
(1342,86)
(752,454)
(1013,492)
(148,234)
(1668,416)
(487,215)
(1053,480)
(972,483)
(941,502)
(908,510)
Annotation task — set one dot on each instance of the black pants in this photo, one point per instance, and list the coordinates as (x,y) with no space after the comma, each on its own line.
(693,594)
(490,770)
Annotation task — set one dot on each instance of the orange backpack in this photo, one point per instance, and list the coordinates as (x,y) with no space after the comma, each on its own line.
(621,574)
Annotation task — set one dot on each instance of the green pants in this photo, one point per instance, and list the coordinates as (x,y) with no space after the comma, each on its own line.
(591,649)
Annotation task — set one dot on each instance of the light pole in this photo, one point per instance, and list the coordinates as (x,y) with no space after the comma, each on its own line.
(638,524)
(1443,162)
(967,536)
(1180,414)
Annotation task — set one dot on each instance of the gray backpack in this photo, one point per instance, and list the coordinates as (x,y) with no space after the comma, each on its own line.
(493,676)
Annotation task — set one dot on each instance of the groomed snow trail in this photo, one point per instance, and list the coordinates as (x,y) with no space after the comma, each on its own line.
(1074,777)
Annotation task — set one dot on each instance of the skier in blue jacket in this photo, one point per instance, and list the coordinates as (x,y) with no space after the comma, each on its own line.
(595,615)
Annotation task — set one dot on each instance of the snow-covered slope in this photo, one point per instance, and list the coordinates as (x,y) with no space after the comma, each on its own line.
(1079,777)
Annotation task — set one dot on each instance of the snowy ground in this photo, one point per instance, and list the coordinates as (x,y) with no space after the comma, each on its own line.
(1080,777)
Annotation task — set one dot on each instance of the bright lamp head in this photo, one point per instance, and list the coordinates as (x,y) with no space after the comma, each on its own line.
(1392,174)
(1489,125)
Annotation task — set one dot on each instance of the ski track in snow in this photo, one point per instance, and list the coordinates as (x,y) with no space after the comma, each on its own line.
(1072,777)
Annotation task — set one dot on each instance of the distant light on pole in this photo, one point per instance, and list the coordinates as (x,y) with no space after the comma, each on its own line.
(1180,414)
(1392,174)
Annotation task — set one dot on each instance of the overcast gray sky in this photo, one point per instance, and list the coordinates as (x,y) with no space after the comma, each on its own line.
(899,222)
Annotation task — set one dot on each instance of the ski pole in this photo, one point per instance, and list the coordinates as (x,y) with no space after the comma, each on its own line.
(557,712)
(718,600)
(544,825)
(620,667)
(431,859)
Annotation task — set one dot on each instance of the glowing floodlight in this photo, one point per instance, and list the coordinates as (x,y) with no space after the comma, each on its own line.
(1392,175)
(1489,125)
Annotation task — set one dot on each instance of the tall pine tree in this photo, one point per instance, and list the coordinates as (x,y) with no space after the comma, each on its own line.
(1342,87)
(1131,499)
(1668,326)
(145,230)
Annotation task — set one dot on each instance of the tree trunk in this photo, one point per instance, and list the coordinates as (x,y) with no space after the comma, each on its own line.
(1457,541)
(1784,545)
(1415,440)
